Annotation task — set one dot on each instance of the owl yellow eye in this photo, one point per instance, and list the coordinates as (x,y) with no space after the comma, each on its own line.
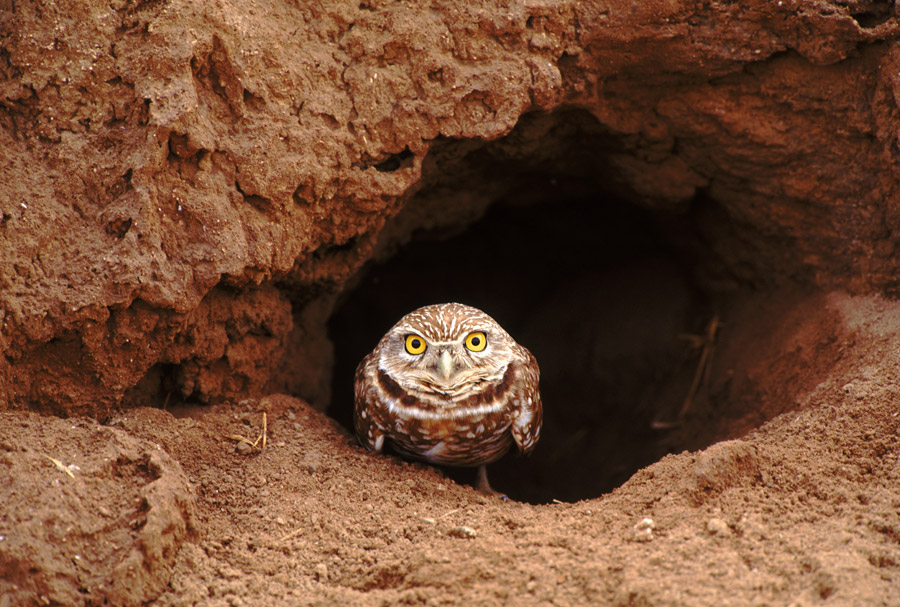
(415,344)
(476,342)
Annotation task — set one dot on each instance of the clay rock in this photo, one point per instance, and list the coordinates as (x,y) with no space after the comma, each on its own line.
(721,466)
(91,514)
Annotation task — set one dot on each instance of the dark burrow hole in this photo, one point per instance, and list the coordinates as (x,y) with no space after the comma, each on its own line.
(603,291)
(589,287)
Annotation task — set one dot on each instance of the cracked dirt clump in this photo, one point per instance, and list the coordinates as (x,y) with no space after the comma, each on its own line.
(91,514)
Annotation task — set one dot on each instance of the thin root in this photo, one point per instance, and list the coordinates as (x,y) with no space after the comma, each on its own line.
(706,341)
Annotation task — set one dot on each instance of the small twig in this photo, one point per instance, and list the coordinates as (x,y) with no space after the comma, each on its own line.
(262,437)
(241,439)
(293,533)
(701,375)
(59,465)
(706,341)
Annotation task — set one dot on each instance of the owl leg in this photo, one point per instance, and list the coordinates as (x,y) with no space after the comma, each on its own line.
(482,484)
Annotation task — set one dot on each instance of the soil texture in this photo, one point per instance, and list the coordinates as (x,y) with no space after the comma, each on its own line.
(199,201)
(803,510)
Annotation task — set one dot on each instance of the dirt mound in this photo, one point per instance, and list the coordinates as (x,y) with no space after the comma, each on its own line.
(804,509)
(91,514)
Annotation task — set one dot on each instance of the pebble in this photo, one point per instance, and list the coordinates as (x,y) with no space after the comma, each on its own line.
(321,571)
(716,526)
(643,530)
(463,532)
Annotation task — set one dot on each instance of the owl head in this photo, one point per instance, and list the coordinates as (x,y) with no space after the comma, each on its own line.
(445,347)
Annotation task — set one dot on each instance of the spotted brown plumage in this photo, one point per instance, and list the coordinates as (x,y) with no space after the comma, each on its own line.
(448,385)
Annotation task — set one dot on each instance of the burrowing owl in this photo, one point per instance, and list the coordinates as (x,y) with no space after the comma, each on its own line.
(448,385)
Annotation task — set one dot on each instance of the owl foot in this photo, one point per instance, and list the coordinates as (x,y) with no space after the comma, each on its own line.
(482,485)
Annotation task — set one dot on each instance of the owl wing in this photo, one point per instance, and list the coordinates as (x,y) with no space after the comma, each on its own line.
(366,411)
(528,414)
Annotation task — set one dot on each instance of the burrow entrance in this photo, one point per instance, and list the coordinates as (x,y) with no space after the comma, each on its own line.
(615,301)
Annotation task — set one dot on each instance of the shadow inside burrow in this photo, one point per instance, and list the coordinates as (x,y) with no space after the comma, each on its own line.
(611,291)
(600,297)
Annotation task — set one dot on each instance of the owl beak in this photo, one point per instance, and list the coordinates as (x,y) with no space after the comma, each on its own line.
(445,365)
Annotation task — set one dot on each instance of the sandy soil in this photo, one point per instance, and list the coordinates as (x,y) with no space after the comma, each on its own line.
(189,189)
(800,511)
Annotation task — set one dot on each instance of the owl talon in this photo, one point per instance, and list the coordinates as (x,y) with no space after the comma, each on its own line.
(483,486)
